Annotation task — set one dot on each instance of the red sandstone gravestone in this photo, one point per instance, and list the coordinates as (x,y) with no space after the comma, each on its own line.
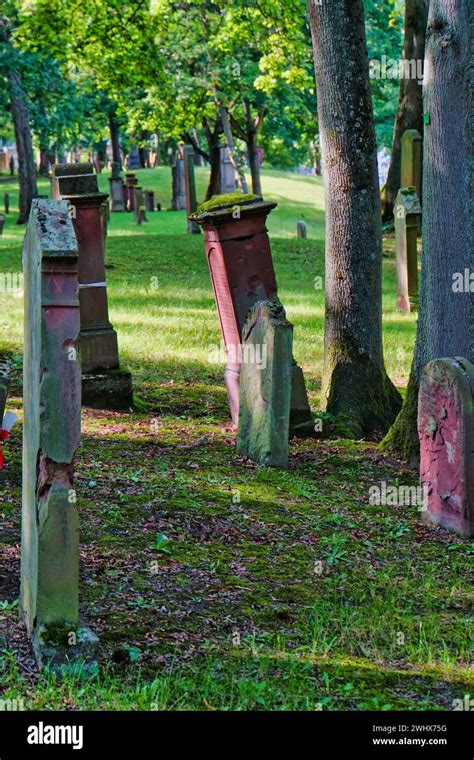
(446,432)
(51,434)
(241,268)
(104,384)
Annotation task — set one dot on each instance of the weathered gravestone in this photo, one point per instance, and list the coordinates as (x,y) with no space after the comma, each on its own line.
(301,228)
(228,178)
(116,194)
(149,197)
(265,385)
(446,432)
(104,384)
(6,202)
(241,269)
(133,159)
(190,189)
(51,434)
(178,201)
(2,222)
(411,160)
(132,183)
(407,222)
(139,210)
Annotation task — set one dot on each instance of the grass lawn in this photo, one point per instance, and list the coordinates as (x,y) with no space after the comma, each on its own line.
(277,590)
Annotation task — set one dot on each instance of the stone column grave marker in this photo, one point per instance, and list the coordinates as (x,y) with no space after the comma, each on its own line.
(51,435)
(407,222)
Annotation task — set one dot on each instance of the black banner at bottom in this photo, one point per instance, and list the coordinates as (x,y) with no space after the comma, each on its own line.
(132,735)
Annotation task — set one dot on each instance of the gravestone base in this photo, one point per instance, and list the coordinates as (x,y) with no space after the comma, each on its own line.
(446,432)
(53,650)
(108,389)
(301,419)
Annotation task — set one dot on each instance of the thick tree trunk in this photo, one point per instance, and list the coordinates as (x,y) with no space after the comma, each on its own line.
(356,388)
(115,142)
(26,162)
(410,102)
(446,311)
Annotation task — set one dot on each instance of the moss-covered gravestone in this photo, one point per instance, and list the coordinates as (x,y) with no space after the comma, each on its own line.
(446,432)
(241,267)
(51,434)
(407,222)
(265,385)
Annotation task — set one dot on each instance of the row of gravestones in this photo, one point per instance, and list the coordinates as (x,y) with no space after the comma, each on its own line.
(66,323)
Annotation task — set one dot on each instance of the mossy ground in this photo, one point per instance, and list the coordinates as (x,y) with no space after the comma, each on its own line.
(214,583)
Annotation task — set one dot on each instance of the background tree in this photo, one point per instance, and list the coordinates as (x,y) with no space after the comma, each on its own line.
(11,69)
(410,102)
(355,387)
(446,312)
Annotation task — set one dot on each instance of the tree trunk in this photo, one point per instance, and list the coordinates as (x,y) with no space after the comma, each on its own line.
(410,102)
(356,388)
(44,162)
(26,162)
(212,137)
(236,162)
(254,163)
(446,313)
(115,141)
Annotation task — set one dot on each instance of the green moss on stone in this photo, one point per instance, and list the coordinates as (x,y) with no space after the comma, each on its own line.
(226,201)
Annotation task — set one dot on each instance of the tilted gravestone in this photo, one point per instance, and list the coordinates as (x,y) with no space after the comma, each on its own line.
(51,435)
(407,222)
(446,432)
(241,269)
(190,189)
(411,160)
(265,385)
(227,170)
(104,384)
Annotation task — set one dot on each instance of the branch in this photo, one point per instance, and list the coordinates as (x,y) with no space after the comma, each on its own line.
(188,138)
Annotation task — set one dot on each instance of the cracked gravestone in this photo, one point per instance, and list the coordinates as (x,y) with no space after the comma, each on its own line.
(407,222)
(265,385)
(51,435)
(446,432)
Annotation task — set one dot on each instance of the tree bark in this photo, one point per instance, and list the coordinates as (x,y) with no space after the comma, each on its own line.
(26,162)
(236,162)
(446,316)
(410,101)
(212,137)
(356,388)
(115,142)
